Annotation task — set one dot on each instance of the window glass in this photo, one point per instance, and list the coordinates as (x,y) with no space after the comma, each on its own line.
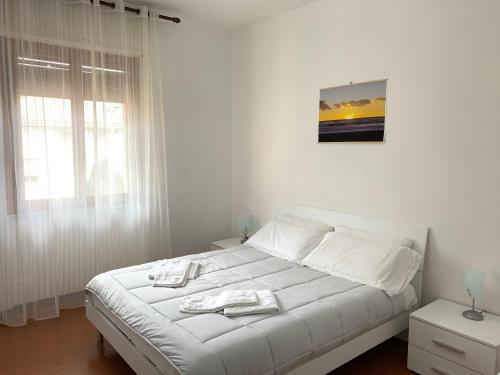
(105,161)
(47,138)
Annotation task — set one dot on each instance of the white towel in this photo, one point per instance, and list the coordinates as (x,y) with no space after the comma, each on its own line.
(173,273)
(194,269)
(207,304)
(156,267)
(267,305)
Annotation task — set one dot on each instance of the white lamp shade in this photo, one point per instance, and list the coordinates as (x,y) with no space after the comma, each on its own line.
(473,281)
(246,223)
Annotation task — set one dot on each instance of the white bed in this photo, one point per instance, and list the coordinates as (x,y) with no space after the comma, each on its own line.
(142,329)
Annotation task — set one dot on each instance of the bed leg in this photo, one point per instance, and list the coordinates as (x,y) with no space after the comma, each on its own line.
(100,337)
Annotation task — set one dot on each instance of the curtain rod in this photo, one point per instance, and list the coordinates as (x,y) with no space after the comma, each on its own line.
(138,11)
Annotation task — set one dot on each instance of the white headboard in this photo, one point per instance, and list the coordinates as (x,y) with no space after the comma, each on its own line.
(418,233)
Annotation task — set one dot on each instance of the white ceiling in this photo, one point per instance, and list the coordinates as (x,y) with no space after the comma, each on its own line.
(228,13)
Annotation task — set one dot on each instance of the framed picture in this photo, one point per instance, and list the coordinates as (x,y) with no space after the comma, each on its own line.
(352,113)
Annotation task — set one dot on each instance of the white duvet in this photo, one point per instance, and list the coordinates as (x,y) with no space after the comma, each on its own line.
(317,312)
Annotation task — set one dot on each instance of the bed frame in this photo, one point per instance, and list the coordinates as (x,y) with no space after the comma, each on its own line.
(319,365)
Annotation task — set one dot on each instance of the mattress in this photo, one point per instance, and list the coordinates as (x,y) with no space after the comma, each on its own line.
(319,313)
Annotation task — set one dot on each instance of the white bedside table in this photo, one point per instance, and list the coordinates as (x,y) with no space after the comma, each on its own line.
(224,244)
(443,342)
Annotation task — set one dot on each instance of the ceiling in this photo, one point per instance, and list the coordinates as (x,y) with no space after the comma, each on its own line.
(227,13)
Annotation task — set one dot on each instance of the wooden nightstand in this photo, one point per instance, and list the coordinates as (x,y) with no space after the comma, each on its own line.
(224,244)
(443,342)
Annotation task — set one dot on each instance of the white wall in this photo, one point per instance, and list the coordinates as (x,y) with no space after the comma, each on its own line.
(439,165)
(197,94)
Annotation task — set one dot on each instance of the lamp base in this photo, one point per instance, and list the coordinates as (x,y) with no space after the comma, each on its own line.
(244,238)
(473,315)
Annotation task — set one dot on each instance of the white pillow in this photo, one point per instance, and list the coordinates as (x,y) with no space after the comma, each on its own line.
(382,265)
(311,224)
(285,240)
(396,240)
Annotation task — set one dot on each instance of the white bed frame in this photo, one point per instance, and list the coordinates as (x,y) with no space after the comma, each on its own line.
(319,365)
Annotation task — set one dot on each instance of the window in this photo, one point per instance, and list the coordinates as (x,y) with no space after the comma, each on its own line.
(68,128)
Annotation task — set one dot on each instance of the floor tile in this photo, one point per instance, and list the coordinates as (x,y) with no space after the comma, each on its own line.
(73,369)
(33,368)
(16,349)
(99,365)
(85,345)
(56,355)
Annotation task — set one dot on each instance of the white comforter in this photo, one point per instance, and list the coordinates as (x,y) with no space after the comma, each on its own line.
(318,313)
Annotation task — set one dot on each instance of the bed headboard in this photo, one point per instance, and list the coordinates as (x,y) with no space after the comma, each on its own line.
(418,233)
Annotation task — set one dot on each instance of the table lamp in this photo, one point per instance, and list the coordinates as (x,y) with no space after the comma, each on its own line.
(246,224)
(473,281)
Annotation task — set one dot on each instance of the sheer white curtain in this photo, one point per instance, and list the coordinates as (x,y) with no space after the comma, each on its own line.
(83,186)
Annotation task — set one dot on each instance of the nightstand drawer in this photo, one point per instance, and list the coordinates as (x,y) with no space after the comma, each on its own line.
(461,350)
(425,363)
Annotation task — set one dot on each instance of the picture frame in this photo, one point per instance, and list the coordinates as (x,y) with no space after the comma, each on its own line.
(353,112)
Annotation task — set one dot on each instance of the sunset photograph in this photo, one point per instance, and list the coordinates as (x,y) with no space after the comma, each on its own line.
(353,113)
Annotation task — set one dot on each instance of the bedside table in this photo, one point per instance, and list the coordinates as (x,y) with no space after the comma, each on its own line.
(224,244)
(443,342)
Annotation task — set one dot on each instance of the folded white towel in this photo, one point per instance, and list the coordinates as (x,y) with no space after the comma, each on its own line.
(267,304)
(206,304)
(194,269)
(173,273)
(156,266)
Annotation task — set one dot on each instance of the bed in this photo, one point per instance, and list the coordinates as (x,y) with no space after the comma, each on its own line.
(325,320)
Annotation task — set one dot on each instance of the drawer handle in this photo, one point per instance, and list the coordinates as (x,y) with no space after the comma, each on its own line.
(439,371)
(449,346)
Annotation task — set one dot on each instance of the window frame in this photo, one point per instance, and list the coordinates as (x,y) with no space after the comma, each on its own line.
(10,96)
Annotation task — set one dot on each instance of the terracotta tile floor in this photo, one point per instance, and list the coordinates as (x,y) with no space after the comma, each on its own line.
(64,346)
(68,346)
(388,358)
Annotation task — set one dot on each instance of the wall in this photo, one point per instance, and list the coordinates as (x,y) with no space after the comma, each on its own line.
(197,94)
(439,163)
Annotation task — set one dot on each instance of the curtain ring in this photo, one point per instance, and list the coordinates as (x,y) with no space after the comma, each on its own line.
(154,14)
(119,6)
(144,11)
